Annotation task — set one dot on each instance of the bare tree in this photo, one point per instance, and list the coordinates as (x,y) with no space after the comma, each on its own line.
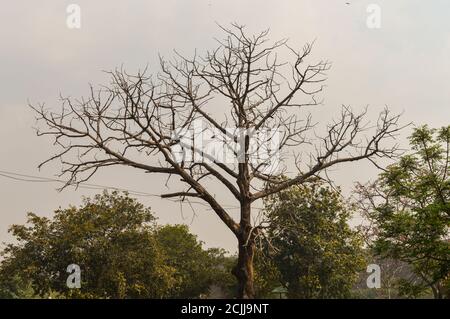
(240,85)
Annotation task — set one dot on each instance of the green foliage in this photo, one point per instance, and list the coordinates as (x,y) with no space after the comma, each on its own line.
(121,251)
(110,237)
(15,287)
(221,272)
(413,218)
(267,275)
(314,252)
(196,269)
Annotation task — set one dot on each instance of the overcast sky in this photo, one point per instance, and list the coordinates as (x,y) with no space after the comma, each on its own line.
(405,64)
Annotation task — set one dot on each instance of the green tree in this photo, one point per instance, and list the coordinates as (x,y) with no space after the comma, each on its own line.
(111,237)
(196,269)
(267,275)
(410,210)
(15,287)
(313,249)
(120,249)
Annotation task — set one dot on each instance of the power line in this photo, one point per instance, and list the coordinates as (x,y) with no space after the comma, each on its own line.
(21,179)
(84,185)
(40,179)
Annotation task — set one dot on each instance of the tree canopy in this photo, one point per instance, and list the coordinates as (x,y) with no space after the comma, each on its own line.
(410,210)
(121,251)
(312,250)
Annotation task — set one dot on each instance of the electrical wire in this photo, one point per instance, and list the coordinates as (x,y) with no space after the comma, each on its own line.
(40,179)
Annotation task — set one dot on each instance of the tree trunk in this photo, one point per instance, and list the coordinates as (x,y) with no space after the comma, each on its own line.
(243,271)
(244,268)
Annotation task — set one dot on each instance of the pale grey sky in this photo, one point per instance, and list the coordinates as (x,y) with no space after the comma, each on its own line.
(405,64)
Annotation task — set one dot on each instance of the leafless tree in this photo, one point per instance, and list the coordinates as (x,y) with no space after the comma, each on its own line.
(239,85)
